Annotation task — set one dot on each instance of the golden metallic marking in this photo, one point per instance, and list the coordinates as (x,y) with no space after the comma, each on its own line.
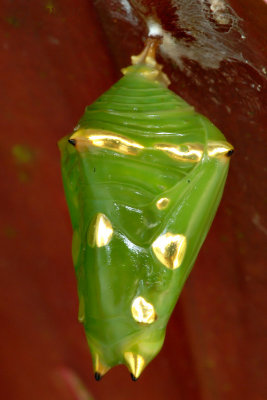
(85,138)
(99,367)
(219,149)
(135,362)
(162,203)
(100,231)
(142,311)
(184,152)
(170,249)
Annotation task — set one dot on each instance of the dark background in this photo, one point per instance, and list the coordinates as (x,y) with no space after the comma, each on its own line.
(55,58)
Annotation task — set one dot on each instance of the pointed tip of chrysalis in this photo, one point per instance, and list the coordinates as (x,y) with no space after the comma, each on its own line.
(72,141)
(99,368)
(133,377)
(98,376)
(135,364)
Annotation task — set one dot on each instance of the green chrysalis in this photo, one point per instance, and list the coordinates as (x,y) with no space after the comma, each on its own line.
(143,175)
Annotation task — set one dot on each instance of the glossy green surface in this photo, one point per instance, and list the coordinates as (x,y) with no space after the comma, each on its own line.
(126,188)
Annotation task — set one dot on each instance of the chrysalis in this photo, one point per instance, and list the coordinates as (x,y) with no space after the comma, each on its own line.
(143,175)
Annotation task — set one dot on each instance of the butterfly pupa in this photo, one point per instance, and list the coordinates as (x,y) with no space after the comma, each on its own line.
(143,174)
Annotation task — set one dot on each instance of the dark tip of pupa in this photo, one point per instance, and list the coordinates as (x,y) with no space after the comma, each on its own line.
(97,376)
(72,141)
(133,378)
(230,153)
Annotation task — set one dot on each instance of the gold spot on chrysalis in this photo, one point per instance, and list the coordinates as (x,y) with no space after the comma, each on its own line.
(135,362)
(184,152)
(142,311)
(99,367)
(220,149)
(85,138)
(100,231)
(170,249)
(162,203)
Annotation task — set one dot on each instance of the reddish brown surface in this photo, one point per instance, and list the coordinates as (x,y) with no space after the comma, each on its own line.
(52,63)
